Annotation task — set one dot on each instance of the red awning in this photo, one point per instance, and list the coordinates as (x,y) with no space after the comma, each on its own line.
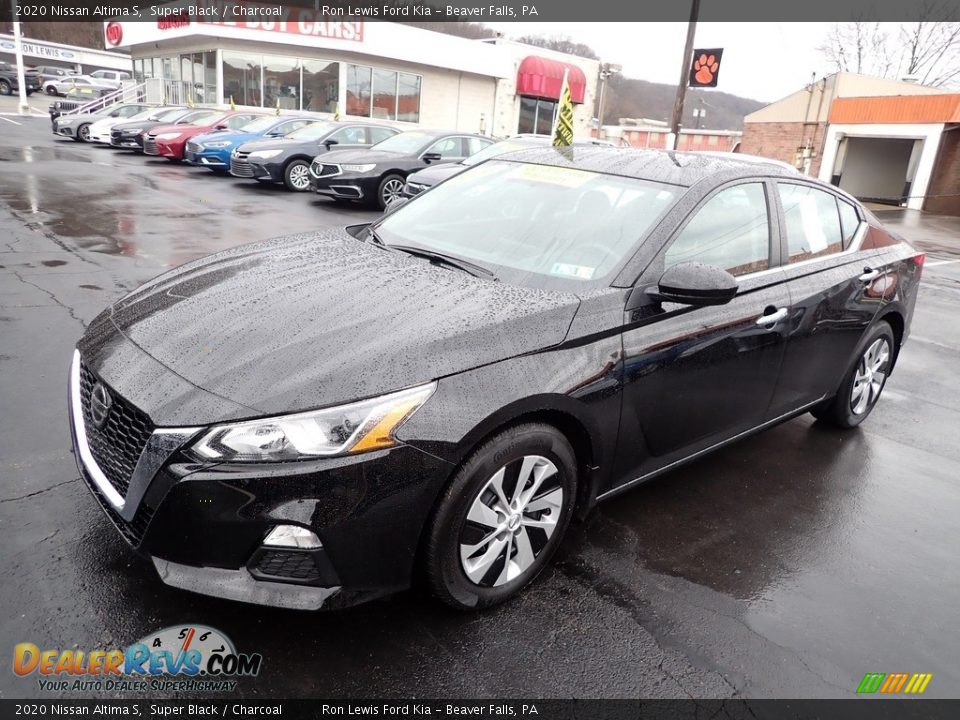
(543,78)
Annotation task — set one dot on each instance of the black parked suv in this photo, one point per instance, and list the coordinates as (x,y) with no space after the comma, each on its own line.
(287,159)
(9,83)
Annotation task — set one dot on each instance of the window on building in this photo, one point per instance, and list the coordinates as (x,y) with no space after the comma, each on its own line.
(384,96)
(731,230)
(536,116)
(408,97)
(281,82)
(321,85)
(813,222)
(242,78)
(359,83)
(713,140)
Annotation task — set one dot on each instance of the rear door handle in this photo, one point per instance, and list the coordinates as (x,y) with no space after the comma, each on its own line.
(773,318)
(869,275)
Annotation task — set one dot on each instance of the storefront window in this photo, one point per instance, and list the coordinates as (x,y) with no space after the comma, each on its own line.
(408,97)
(321,85)
(242,78)
(536,116)
(281,82)
(210,76)
(359,80)
(384,95)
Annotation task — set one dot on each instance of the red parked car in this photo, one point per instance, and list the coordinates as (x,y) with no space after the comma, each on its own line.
(169,141)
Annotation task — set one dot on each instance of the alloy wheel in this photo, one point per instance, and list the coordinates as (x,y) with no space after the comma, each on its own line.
(870,376)
(299,175)
(511,520)
(84,133)
(391,191)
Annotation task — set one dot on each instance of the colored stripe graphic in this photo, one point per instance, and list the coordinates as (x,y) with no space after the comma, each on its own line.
(893,683)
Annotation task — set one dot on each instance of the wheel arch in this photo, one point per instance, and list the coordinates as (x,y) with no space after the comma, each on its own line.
(893,316)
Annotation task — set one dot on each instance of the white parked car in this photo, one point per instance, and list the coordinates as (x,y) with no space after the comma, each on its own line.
(100,130)
(114,78)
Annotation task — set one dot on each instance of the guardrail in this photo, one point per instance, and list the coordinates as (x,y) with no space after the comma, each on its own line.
(154,91)
(129,93)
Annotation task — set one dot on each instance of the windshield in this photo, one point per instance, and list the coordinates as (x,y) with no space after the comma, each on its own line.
(168,114)
(311,132)
(406,143)
(259,125)
(538,225)
(499,148)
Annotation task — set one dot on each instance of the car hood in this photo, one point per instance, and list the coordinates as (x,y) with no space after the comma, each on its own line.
(313,320)
(430,176)
(371,155)
(286,144)
(145,124)
(232,137)
(190,130)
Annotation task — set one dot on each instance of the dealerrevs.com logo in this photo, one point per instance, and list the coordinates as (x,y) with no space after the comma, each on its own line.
(181,657)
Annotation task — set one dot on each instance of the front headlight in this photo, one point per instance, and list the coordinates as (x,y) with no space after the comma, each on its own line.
(358,168)
(265,154)
(347,429)
(217,144)
(168,136)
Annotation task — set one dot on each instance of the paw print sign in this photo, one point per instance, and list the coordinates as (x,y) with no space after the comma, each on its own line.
(705,68)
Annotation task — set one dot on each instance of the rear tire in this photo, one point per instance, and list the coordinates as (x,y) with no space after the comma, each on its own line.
(296,176)
(50,90)
(5,88)
(501,518)
(862,386)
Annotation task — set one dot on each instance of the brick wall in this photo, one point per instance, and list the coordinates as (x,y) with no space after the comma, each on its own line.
(945,179)
(780,141)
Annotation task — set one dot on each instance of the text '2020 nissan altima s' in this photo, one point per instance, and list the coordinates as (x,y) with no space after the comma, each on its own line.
(316,420)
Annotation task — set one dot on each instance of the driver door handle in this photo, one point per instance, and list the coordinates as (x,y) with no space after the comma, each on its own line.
(773,318)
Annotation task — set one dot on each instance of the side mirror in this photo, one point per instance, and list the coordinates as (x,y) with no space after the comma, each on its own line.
(330,142)
(432,157)
(695,284)
(396,205)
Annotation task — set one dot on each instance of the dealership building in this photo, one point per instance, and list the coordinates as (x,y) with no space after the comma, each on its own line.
(364,69)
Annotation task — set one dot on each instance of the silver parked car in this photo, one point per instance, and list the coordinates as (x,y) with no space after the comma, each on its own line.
(77,127)
(64,85)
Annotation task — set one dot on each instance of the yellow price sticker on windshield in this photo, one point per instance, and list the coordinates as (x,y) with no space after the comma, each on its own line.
(565,177)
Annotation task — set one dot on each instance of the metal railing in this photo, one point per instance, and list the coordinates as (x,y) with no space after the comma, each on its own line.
(153,91)
(128,93)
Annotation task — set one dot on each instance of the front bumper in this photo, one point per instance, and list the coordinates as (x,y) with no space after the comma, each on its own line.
(203,526)
(345,188)
(208,158)
(127,142)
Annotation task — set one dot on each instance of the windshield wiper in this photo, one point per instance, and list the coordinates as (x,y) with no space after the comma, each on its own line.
(449,260)
(374,238)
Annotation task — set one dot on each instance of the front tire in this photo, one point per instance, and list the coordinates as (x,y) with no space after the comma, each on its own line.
(502,517)
(50,90)
(296,176)
(83,133)
(5,88)
(390,190)
(863,384)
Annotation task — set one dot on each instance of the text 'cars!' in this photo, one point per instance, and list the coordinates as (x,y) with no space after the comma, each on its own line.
(287,159)
(77,126)
(316,420)
(130,135)
(377,174)
(214,150)
(169,141)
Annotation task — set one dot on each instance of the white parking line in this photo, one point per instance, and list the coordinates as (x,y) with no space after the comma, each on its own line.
(9,120)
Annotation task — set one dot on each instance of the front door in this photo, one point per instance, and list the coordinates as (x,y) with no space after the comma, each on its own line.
(695,376)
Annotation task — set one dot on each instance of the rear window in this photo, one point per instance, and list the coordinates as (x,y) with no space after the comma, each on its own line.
(813,222)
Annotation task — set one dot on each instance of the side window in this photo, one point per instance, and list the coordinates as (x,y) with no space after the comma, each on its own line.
(731,231)
(448,148)
(474,145)
(812,220)
(378,134)
(350,136)
(849,222)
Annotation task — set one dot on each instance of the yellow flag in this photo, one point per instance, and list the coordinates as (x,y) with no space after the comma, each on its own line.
(278,104)
(233,105)
(563,128)
(190,100)
(336,112)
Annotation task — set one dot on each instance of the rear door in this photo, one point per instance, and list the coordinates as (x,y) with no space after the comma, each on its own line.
(830,277)
(696,376)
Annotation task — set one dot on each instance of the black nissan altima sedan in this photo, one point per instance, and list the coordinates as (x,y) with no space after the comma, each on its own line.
(317,420)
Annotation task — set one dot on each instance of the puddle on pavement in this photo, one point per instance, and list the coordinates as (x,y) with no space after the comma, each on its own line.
(31,153)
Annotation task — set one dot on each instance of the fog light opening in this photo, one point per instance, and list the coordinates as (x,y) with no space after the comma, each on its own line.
(292,536)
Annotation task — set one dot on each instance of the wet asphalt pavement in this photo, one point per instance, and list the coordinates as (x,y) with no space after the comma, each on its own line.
(787,565)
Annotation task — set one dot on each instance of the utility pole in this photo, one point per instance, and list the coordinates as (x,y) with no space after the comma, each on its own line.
(606,70)
(684,74)
(18,51)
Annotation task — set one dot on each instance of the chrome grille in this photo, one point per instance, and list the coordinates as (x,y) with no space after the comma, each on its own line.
(193,147)
(150,145)
(133,531)
(116,447)
(240,165)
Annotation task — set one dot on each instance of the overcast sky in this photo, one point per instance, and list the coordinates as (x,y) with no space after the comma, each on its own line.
(764,61)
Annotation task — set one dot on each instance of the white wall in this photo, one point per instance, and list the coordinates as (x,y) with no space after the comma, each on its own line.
(928,133)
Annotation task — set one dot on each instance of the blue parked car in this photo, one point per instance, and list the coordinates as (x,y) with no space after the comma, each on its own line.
(212,150)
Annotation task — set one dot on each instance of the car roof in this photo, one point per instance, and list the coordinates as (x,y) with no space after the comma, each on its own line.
(665,166)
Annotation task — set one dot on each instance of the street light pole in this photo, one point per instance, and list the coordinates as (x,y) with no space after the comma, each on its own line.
(18,51)
(684,73)
(606,70)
